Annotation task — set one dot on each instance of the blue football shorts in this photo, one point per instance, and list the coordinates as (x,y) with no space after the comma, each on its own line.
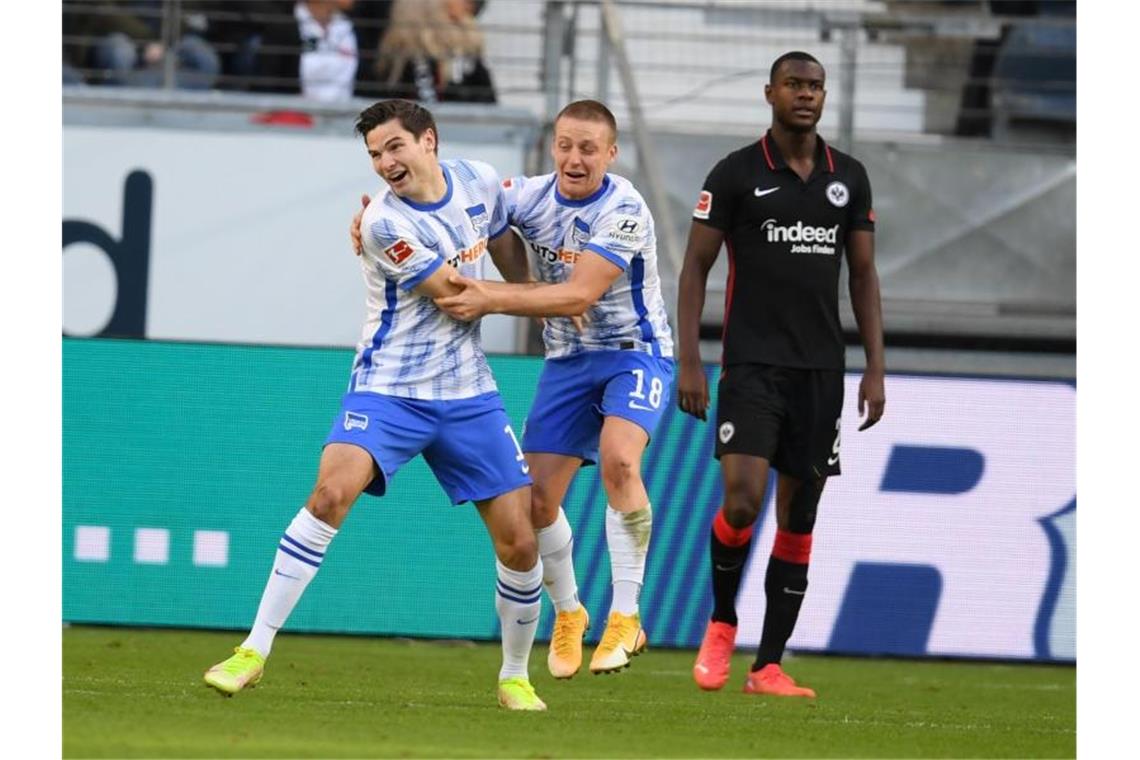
(468,443)
(576,393)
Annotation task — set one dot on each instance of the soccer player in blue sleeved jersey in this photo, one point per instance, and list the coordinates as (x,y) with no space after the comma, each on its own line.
(605,384)
(420,384)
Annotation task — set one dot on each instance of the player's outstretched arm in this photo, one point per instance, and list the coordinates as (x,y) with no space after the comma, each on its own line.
(700,254)
(592,276)
(863,284)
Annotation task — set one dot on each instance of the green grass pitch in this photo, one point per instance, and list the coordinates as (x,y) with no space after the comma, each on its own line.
(138,693)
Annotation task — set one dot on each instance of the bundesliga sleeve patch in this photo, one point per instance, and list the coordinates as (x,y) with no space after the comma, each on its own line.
(704,205)
(398,252)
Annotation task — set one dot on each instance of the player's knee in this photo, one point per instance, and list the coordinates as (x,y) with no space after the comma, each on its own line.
(329,502)
(742,500)
(619,470)
(518,551)
(543,506)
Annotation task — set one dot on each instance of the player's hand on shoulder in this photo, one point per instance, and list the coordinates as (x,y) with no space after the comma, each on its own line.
(692,390)
(354,228)
(872,396)
(468,300)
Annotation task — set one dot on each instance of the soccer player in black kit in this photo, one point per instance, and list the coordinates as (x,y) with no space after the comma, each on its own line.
(787,207)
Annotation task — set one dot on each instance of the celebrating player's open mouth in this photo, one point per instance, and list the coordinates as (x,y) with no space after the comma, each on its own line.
(396,177)
(577,182)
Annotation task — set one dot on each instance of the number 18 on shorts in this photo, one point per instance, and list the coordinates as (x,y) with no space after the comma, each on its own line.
(576,393)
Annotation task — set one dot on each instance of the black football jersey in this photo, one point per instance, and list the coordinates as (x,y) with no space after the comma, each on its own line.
(784,238)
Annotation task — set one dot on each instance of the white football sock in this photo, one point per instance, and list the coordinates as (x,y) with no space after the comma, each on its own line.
(518,600)
(627,535)
(556,547)
(299,556)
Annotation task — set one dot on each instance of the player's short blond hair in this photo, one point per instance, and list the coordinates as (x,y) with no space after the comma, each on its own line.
(590,110)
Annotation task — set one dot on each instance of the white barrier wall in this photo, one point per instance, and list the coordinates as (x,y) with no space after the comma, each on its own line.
(231,236)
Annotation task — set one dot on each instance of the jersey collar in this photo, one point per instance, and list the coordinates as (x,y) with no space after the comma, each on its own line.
(776,162)
(438,204)
(562,199)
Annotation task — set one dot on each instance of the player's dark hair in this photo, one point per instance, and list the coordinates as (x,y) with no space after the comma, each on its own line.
(590,110)
(413,117)
(794,55)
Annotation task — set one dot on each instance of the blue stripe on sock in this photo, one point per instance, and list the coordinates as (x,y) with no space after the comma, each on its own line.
(301,546)
(520,600)
(282,547)
(524,592)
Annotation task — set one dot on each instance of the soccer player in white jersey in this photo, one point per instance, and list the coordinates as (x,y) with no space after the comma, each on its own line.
(603,388)
(420,384)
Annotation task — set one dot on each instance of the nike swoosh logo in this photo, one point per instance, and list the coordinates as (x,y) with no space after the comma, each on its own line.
(793,591)
(761,193)
(286,575)
(701,668)
(526,622)
(831,461)
(727,568)
(639,408)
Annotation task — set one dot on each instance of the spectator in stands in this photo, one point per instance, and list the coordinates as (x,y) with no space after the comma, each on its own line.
(313,52)
(433,51)
(120,42)
(234,28)
(370,18)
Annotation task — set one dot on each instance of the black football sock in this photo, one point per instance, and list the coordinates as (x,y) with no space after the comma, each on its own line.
(785,585)
(729,551)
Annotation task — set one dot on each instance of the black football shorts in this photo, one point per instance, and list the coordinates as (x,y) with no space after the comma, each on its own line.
(786,415)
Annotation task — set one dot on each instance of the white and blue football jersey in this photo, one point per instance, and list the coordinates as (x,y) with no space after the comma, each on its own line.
(408,347)
(614,223)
